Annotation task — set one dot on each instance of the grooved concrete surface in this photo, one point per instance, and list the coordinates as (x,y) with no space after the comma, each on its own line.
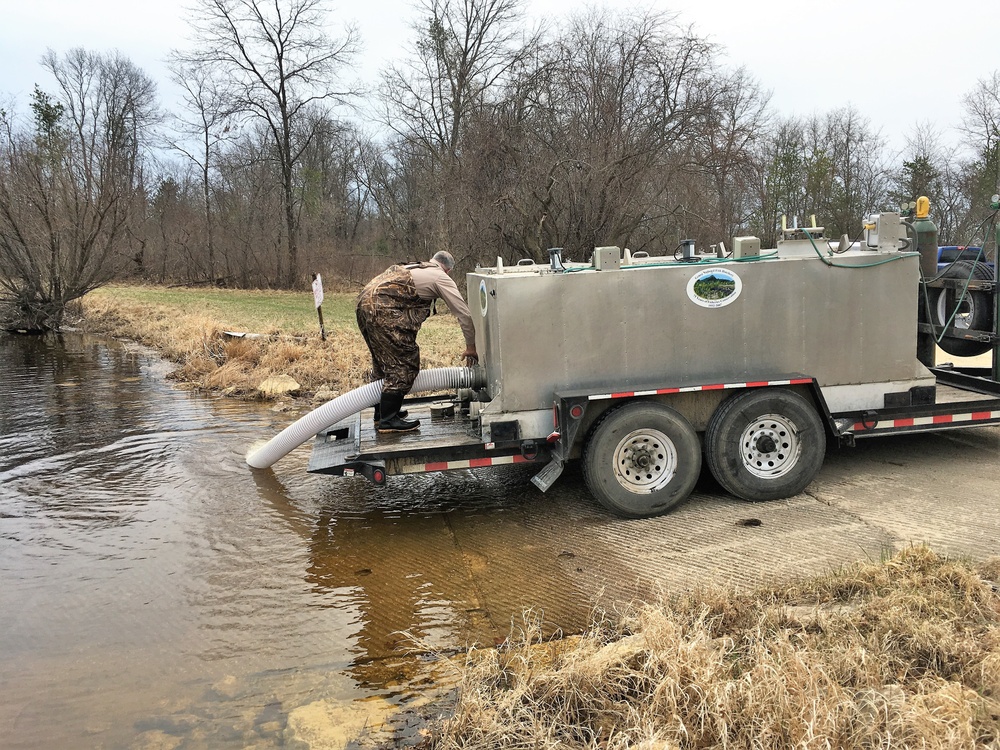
(561,553)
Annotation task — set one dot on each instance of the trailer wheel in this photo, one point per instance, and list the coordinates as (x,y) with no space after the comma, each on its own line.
(974,313)
(641,459)
(765,444)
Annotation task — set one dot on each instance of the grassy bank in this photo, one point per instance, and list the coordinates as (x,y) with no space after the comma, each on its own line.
(187,326)
(899,654)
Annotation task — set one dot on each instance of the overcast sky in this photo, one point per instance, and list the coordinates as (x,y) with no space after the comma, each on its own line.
(898,67)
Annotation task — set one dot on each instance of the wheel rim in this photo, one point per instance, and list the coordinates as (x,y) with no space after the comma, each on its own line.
(770,446)
(965,311)
(645,461)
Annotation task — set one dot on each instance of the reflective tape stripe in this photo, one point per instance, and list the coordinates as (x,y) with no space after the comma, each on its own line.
(895,424)
(694,388)
(468,463)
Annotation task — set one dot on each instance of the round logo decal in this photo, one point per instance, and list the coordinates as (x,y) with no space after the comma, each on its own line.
(714,287)
(483,297)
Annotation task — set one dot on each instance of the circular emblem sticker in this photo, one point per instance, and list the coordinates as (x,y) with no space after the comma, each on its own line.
(714,287)
(483,297)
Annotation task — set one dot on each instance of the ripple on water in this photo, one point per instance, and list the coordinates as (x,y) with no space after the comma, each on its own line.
(156,592)
(154,586)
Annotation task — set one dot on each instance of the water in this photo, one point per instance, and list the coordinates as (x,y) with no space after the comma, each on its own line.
(154,592)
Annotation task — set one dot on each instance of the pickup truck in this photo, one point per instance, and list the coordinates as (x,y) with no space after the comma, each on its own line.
(948,254)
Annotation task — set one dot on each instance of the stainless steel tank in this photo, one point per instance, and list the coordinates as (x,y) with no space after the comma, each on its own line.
(655,321)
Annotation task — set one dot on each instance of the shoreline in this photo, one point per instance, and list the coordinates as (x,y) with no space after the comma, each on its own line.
(207,357)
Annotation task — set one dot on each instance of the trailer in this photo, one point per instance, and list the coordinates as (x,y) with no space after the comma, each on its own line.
(643,368)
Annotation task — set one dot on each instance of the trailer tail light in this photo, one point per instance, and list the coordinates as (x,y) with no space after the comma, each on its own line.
(576,411)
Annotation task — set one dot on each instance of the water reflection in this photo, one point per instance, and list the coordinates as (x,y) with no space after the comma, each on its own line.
(154,587)
(401,574)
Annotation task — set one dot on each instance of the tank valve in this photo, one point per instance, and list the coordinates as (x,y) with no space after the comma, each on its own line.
(555,259)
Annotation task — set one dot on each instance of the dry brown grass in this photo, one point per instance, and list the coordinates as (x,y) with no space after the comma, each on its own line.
(208,360)
(905,653)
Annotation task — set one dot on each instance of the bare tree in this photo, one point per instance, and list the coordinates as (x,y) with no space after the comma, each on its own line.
(274,60)
(779,178)
(464,53)
(248,197)
(200,135)
(859,179)
(602,130)
(739,122)
(982,125)
(831,166)
(67,185)
(464,48)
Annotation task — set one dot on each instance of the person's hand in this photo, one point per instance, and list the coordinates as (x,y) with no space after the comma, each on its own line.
(471,357)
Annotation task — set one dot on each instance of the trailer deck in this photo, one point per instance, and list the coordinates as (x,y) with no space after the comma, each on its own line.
(442,443)
(964,397)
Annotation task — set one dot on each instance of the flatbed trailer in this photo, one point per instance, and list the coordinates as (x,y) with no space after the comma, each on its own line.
(449,438)
(644,367)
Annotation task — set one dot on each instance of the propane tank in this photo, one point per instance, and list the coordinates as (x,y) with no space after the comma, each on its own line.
(927,246)
(927,238)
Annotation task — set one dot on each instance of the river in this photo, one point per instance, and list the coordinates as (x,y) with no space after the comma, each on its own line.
(156,593)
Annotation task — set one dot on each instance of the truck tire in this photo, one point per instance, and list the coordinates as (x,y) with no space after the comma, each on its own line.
(975,312)
(765,444)
(641,459)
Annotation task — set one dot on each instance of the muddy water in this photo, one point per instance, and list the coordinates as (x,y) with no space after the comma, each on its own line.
(154,592)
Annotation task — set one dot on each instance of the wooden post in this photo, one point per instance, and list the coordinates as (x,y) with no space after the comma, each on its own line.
(317,286)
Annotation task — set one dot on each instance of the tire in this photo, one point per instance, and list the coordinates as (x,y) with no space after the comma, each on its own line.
(975,312)
(641,459)
(765,444)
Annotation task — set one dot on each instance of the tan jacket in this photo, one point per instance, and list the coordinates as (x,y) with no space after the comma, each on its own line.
(433,283)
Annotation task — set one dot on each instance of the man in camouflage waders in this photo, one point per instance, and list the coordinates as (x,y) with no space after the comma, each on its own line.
(391,308)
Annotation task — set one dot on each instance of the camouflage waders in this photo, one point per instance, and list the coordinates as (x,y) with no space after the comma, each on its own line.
(389,315)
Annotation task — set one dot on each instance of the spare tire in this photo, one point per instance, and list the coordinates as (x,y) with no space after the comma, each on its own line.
(974,313)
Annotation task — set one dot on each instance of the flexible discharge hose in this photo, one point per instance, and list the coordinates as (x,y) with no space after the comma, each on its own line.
(352,402)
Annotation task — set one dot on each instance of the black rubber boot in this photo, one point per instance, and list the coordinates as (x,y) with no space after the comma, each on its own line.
(378,413)
(391,420)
